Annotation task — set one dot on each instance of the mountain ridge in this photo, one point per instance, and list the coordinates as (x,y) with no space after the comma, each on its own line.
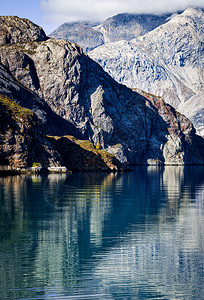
(136,129)
(121,26)
(163,62)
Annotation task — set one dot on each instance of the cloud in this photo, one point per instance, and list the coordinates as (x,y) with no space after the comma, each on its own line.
(59,11)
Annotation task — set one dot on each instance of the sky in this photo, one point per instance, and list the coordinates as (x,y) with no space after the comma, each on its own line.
(50,14)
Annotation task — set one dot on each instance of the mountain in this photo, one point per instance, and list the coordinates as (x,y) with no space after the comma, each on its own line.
(12,88)
(135,128)
(167,61)
(23,139)
(125,26)
(82,33)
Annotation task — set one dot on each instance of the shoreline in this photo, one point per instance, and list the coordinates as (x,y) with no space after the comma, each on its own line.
(8,170)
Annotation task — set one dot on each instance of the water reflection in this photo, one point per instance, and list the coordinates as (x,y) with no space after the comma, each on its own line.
(136,235)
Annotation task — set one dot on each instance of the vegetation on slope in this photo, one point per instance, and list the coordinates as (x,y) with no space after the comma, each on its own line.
(81,155)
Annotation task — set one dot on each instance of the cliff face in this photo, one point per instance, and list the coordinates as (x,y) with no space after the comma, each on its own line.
(80,93)
(81,155)
(22,138)
(13,89)
(12,31)
(22,134)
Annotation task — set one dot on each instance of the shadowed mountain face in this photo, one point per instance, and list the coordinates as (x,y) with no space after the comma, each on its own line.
(13,89)
(23,142)
(66,82)
(22,138)
(167,61)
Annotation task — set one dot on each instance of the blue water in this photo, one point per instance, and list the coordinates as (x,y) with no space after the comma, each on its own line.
(137,235)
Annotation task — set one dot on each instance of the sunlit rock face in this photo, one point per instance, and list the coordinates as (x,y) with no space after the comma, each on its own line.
(136,128)
(167,61)
(12,31)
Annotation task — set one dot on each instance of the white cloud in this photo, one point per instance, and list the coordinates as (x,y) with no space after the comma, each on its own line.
(59,11)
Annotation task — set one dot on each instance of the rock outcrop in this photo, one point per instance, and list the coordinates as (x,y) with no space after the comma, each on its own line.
(81,155)
(12,31)
(13,89)
(24,145)
(23,142)
(77,90)
(167,61)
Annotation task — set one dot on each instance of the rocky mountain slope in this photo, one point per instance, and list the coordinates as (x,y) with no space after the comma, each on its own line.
(126,26)
(13,89)
(81,33)
(23,142)
(119,27)
(167,62)
(22,138)
(135,128)
(12,31)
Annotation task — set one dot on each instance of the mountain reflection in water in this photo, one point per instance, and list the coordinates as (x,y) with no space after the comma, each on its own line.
(136,235)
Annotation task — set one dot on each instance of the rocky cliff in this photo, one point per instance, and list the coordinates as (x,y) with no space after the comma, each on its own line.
(167,61)
(12,88)
(81,155)
(12,31)
(23,143)
(77,90)
(22,138)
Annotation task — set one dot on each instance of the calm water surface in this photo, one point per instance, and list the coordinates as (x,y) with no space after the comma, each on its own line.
(137,235)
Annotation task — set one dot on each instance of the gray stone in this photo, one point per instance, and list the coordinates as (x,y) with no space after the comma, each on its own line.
(17,30)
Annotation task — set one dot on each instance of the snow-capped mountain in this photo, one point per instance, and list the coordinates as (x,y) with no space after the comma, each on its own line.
(167,61)
(124,26)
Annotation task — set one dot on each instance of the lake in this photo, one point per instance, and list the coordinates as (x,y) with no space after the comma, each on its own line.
(134,235)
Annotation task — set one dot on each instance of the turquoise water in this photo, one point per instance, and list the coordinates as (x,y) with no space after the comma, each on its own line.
(137,235)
